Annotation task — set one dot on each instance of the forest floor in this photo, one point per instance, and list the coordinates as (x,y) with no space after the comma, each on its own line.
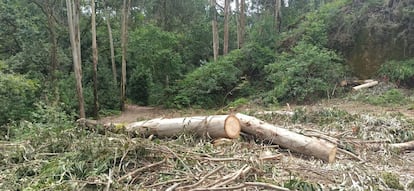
(356,126)
(67,158)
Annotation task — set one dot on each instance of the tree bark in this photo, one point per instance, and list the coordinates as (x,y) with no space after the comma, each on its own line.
(242,23)
(226,27)
(215,29)
(73,9)
(124,38)
(238,23)
(216,126)
(111,45)
(287,139)
(95,61)
(277,15)
(403,146)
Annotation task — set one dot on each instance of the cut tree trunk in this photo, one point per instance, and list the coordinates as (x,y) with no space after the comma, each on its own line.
(287,139)
(403,146)
(216,126)
(366,85)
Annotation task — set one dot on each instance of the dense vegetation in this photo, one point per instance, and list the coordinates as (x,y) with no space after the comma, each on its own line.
(296,53)
(300,58)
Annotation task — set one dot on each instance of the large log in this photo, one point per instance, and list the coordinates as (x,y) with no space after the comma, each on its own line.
(287,139)
(216,126)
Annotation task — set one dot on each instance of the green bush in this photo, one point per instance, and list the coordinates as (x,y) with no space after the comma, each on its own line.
(238,74)
(208,85)
(390,97)
(155,63)
(17,96)
(400,72)
(307,73)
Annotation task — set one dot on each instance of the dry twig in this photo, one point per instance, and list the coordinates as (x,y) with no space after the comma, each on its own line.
(140,169)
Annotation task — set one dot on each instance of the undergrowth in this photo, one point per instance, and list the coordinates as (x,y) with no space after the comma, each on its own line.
(54,153)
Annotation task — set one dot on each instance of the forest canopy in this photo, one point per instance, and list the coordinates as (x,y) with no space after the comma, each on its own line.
(269,50)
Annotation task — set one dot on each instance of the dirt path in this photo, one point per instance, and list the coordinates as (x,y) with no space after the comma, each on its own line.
(137,113)
(133,113)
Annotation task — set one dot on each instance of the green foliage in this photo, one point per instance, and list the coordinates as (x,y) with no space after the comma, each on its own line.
(323,117)
(138,84)
(399,71)
(17,96)
(208,85)
(392,181)
(238,102)
(307,73)
(389,98)
(155,63)
(238,74)
(298,184)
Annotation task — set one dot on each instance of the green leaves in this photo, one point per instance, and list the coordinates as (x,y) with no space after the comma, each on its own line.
(17,96)
(399,71)
(309,72)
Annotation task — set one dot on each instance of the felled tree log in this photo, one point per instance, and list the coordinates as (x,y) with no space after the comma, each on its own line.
(216,126)
(365,85)
(403,146)
(296,142)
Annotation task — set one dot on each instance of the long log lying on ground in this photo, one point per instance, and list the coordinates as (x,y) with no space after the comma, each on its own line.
(216,126)
(287,139)
(403,146)
(365,85)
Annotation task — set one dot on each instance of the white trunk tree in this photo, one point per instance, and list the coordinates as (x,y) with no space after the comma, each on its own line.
(73,11)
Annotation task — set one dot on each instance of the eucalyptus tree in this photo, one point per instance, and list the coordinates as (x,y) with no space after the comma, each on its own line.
(94,59)
(240,20)
(73,14)
(111,40)
(124,39)
(226,27)
(214,26)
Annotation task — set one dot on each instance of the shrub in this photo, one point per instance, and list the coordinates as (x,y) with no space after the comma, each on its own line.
(400,72)
(208,85)
(238,74)
(155,63)
(390,97)
(307,73)
(17,96)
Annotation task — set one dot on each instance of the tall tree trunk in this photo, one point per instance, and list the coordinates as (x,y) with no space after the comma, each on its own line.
(277,15)
(238,23)
(73,9)
(215,29)
(111,44)
(124,39)
(242,23)
(226,27)
(95,61)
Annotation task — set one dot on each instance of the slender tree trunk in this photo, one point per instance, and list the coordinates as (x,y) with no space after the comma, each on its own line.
(215,29)
(73,9)
(95,62)
(277,15)
(238,23)
(242,23)
(226,27)
(124,39)
(111,45)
